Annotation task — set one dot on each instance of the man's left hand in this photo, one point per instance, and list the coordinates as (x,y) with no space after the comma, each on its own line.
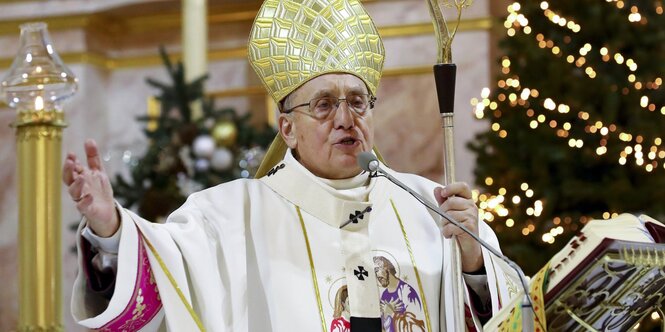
(456,200)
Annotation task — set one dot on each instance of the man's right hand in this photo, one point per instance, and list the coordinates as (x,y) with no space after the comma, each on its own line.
(90,188)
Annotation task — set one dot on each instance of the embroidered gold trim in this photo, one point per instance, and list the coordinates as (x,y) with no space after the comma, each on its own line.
(415,268)
(174,284)
(311,266)
(496,282)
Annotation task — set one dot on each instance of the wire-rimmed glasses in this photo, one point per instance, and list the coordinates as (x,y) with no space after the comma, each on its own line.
(321,108)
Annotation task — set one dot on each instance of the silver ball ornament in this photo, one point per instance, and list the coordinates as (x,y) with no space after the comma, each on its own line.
(202,165)
(203,146)
(222,159)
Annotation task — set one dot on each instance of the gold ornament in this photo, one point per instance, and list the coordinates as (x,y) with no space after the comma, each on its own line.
(294,41)
(225,133)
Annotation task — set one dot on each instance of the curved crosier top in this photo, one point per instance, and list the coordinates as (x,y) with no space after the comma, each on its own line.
(294,41)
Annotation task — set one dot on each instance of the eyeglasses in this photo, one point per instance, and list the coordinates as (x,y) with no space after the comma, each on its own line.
(322,108)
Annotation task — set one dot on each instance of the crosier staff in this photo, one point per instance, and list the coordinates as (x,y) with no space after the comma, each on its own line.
(444,76)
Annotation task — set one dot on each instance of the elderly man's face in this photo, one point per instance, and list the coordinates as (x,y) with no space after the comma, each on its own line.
(328,147)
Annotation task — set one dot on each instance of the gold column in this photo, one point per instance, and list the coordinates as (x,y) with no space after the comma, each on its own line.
(39,145)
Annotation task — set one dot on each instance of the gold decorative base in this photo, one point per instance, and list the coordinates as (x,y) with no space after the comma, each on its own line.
(55,328)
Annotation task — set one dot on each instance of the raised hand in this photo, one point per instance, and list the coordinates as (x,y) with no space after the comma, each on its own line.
(89,187)
(456,200)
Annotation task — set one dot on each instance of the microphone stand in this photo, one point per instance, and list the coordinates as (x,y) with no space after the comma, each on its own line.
(527,318)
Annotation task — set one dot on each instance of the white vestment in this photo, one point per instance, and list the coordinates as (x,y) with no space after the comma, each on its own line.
(269,255)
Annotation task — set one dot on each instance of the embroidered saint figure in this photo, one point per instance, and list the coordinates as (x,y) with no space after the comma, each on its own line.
(401,308)
(341,315)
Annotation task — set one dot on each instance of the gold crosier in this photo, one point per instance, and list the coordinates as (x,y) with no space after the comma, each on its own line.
(444,74)
(444,37)
(35,86)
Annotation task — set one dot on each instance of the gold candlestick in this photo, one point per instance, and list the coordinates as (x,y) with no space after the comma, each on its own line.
(35,86)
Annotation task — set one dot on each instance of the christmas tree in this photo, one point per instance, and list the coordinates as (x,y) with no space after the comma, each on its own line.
(577,119)
(188,152)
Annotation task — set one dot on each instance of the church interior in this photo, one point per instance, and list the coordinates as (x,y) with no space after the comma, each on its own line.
(125,55)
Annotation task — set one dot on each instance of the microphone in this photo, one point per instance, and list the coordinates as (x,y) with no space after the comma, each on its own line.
(368,162)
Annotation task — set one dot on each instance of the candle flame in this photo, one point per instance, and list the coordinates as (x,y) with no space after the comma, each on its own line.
(39,103)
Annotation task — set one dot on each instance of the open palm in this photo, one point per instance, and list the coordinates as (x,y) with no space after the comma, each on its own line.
(89,187)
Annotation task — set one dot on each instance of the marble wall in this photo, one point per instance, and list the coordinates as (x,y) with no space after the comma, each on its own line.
(407,127)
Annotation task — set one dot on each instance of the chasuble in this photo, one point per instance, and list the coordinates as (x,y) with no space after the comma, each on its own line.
(269,255)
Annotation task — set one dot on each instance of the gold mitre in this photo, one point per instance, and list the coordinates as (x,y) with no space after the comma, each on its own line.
(294,41)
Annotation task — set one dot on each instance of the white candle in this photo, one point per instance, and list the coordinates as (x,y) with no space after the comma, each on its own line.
(195,42)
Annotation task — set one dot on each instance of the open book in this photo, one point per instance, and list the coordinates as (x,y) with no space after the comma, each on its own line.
(608,277)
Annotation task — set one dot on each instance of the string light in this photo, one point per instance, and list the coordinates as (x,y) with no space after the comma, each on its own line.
(592,128)
(493,207)
(577,129)
(517,21)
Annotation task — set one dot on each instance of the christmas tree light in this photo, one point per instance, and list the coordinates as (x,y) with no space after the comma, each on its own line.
(577,102)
